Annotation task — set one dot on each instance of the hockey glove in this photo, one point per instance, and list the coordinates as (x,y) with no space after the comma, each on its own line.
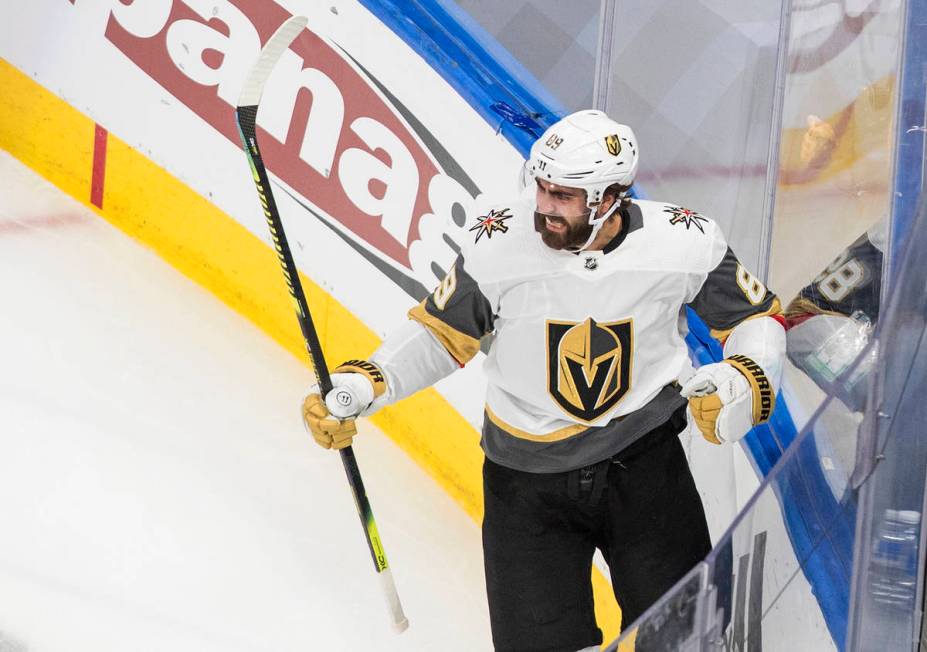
(356,384)
(728,398)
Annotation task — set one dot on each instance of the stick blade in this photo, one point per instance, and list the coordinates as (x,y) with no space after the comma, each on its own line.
(271,52)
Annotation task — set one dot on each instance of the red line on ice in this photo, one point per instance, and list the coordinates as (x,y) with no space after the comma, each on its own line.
(14,225)
(99,167)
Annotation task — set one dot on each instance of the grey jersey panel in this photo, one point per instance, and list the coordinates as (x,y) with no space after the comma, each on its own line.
(467,311)
(721,302)
(588,447)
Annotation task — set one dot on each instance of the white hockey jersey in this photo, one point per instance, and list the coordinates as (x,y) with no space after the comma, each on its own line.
(587,347)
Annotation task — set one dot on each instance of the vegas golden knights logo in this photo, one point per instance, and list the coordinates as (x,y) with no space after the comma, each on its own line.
(613,145)
(589,365)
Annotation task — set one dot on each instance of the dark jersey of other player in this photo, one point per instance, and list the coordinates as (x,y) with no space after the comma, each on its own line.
(851,283)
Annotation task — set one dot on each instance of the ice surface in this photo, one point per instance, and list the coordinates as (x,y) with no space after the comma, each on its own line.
(157,490)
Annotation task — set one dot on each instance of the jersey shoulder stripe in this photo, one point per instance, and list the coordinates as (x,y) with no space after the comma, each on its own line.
(457,313)
(731,295)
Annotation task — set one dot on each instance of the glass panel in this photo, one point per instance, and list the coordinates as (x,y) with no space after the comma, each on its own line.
(696,81)
(673,623)
(889,569)
(554,40)
(779,579)
(790,574)
(835,158)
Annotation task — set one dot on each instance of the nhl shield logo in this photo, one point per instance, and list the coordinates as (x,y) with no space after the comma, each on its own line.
(613,145)
(589,365)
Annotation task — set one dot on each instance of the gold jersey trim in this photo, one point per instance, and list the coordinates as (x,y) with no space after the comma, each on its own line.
(460,345)
(774,309)
(557,435)
(801,306)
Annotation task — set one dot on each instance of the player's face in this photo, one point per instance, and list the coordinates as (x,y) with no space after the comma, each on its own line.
(561,217)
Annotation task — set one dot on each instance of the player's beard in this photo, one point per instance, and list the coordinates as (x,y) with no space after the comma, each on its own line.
(573,237)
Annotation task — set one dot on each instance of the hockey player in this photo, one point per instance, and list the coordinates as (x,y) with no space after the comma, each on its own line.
(831,320)
(851,283)
(585,290)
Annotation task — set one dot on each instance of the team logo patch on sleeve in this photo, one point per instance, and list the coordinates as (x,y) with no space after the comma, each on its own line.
(589,365)
(682,215)
(493,221)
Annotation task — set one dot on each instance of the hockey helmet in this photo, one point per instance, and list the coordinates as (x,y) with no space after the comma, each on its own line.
(587,150)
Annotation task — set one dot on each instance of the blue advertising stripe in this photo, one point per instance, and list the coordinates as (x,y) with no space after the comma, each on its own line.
(484,73)
(821,532)
(475,64)
(510,99)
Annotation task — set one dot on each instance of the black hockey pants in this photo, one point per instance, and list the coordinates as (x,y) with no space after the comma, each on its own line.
(540,530)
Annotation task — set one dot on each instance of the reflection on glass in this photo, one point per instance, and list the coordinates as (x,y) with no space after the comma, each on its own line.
(781,577)
(829,226)
(697,79)
(832,318)
(836,140)
(671,624)
(555,41)
(893,561)
(892,463)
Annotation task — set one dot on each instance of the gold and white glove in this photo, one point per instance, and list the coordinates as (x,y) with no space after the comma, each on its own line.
(727,399)
(356,384)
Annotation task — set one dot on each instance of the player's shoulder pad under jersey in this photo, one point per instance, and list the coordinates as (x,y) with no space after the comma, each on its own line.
(682,233)
(676,219)
(502,234)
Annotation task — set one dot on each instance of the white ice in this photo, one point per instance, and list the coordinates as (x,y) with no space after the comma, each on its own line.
(157,490)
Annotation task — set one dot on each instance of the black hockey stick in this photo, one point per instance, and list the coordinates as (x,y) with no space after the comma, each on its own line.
(246,116)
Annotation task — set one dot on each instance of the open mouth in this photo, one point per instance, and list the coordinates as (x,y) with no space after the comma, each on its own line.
(556,227)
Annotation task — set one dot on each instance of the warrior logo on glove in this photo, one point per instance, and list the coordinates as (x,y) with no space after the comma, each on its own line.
(589,365)
(763,398)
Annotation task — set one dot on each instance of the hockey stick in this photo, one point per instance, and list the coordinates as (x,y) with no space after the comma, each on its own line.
(246,116)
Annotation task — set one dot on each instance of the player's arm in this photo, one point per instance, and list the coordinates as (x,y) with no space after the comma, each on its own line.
(727,399)
(442,334)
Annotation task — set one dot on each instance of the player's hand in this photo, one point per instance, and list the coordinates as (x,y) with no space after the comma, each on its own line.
(724,402)
(327,431)
(355,385)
